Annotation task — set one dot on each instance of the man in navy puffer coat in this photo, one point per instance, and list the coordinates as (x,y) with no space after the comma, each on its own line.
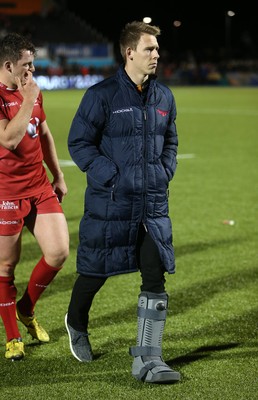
(124,137)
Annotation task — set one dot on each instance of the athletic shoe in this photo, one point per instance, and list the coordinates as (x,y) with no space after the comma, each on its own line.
(15,350)
(36,330)
(79,344)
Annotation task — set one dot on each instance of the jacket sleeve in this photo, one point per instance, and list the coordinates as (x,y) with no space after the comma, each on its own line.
(84,138)
(169,156)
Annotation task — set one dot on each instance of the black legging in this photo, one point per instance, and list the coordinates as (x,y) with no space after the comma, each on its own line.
(150,265)
(84,290)
(86,287)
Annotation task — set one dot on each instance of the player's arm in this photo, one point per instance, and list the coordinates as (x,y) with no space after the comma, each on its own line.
(51,160)
(12,132)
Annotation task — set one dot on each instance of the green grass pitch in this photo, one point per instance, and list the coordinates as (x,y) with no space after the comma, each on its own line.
(211,334)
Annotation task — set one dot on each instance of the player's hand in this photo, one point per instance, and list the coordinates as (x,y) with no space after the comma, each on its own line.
(27,86)
(60,188)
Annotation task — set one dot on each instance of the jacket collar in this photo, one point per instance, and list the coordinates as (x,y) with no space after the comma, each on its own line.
(146,84)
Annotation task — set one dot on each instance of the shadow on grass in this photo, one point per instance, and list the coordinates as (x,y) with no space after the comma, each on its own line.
(190,297)
(113,369)
(196,294)
(200,353)
(112,364)
(110,372)
(240,326)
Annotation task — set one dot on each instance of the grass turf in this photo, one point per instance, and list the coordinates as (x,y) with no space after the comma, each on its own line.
(211,330)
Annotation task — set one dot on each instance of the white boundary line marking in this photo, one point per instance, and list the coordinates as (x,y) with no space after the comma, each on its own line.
(67,163)
(183,156)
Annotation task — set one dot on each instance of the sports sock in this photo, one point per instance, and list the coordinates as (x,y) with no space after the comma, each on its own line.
(8,293)
(42,275)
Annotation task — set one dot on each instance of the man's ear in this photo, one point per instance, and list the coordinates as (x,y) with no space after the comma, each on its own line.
(8,66)
(129,53)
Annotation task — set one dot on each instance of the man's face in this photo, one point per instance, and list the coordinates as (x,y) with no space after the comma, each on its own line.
(21,68)
(146,55)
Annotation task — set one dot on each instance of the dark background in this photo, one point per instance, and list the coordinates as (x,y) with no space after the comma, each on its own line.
(204,29)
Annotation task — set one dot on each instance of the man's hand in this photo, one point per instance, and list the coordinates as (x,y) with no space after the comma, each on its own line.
(60,188)
(28,87)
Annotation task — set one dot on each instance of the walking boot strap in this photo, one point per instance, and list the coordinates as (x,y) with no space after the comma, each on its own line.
(148,365)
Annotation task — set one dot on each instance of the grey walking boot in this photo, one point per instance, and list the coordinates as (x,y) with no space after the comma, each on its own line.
(148,365)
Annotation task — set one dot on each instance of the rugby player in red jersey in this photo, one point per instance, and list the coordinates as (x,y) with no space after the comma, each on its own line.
(27,196)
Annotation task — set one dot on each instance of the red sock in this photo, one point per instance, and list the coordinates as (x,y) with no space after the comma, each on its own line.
(8,293)
(40,278)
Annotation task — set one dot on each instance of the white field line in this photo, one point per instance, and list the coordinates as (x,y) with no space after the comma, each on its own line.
(70,163)
(184,156)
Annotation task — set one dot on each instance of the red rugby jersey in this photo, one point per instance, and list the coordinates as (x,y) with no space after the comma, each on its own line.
(22,173)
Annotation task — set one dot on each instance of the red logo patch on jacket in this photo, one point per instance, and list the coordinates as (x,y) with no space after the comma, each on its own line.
(161,112)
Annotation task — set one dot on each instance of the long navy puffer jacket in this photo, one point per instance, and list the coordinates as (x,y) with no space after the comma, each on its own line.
(127,146)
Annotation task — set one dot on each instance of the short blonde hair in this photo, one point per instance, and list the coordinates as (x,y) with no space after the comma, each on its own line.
(131,34)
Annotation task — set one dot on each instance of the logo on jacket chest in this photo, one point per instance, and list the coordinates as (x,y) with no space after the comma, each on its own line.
(123,110)
(162,112)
